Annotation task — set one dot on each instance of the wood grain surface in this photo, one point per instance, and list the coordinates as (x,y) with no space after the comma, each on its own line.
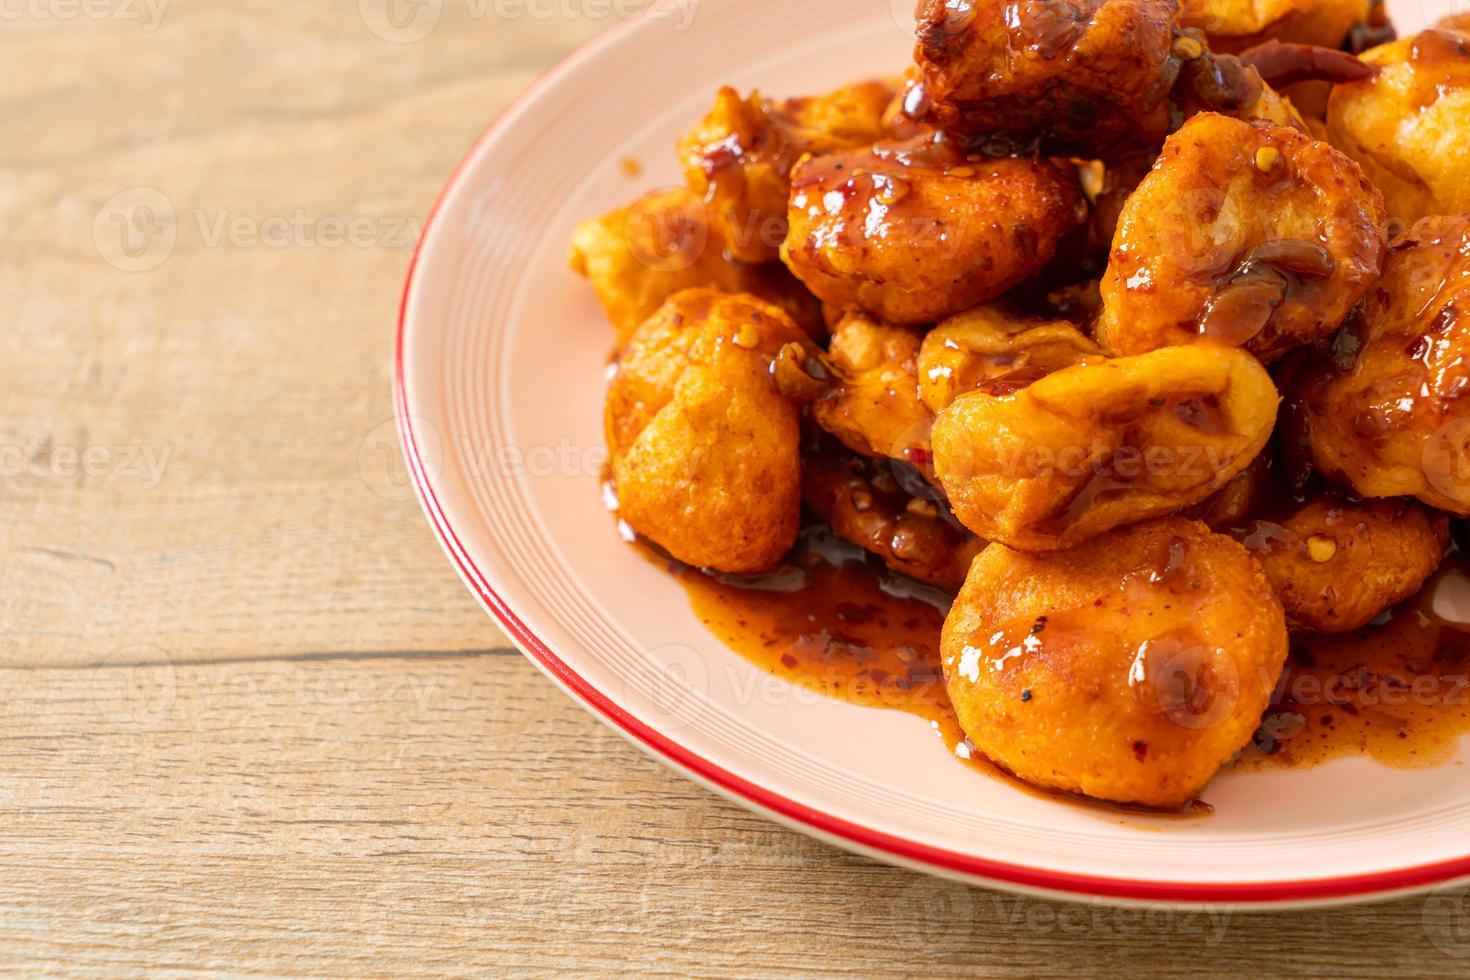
(252,723)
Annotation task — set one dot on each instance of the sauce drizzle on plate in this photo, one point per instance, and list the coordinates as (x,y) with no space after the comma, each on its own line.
(832,620)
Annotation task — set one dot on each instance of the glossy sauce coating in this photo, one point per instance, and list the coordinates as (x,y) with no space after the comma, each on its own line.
(1442,60)
(826,620)
(1407,125)
(1384,410)
(1131,668)
(1244,233)
(914,231)
(866,502)
(739,157)
(1235,26)
(1043,464)
(1337,563)
(1070,77)
(986,344)
(867,392)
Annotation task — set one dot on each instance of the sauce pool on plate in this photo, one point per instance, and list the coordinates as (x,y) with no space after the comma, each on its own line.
(832,620)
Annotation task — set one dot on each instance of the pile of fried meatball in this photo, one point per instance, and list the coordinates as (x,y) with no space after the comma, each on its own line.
(1143,327)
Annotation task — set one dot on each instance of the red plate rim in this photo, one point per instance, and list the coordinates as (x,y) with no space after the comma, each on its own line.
(855,836)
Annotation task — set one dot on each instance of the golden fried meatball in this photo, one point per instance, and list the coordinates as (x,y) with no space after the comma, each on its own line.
(1459,21)
(987,343)
(1337,563)
(639,256)
(867,506)
(915,231)
(739,157)
(1130,669)
(1387,412)
(1248,234)
(1099,445)
(705,451)
(1409,126)
(1083,77)
(1234,25)
(870,399)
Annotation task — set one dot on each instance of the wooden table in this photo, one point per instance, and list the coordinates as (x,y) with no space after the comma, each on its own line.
(251,720)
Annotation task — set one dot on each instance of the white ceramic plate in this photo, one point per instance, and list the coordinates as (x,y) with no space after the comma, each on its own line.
(500,380)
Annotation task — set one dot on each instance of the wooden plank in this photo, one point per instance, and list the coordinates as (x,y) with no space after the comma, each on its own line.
(367,815)
(241,490)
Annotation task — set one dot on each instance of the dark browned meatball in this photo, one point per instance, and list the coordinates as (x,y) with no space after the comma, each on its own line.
(1086,77)
(864,504)
(917,231)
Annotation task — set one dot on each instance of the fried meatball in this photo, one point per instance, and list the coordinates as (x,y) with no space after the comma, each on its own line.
(1234,25)
(1044,466)
(1337,563)
(1387,411)
(1409,127)
(1248,234)
(1078,78)
(987,343)
(867,506)
(870,400)
(705,451)
(915,231)
(637,257)
(739,157)
(1130,669)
